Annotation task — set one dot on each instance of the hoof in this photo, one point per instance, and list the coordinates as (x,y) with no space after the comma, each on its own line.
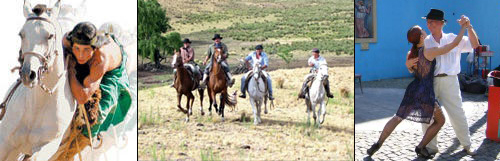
(265,112)
(187,120)
(222,119)
(202,113)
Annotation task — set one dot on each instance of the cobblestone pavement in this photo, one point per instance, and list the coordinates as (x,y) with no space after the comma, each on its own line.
(401,144)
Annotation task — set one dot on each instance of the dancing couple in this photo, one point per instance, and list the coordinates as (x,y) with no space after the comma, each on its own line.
(435,62)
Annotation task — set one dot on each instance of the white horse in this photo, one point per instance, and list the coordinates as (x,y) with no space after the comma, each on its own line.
(257,91)
(316,96)
(41,109)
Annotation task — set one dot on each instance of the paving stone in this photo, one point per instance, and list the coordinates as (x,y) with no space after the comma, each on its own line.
(400,145)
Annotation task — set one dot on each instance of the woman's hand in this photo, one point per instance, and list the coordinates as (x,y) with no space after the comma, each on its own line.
(411,63)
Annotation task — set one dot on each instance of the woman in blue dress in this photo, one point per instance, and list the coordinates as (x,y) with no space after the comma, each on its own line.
(419,103)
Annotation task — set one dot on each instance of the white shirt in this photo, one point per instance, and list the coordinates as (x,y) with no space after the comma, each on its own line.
(448,63)
(316,62)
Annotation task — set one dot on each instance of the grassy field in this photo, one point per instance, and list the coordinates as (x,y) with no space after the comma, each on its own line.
(297,25)
(283,135)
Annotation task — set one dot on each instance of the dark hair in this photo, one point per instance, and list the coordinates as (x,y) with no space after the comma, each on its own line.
(413,36)
(85,33)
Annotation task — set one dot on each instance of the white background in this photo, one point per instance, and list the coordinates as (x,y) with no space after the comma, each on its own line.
(122,12)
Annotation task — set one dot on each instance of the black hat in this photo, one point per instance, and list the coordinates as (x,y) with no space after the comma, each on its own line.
(216,36)
(186,40)
(435,14)
(259,47)
(316,50)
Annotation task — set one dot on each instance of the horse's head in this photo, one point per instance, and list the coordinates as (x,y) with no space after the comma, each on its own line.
(218,55)
(177,59)
(322,72)
(256,69)
(39,42)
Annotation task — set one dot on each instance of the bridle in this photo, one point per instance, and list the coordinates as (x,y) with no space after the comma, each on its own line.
(46,58)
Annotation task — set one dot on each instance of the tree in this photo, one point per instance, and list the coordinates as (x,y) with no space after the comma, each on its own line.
(152,23)
(284,52)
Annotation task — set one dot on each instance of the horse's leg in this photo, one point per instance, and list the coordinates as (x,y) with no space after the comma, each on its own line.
(211,101)
(187,107)
(265,104)
(222,104)
(313,110)
(179,98)
(254,109)
(259,109)
(190,101)
(323,112)
(200,91)
(308,110)
(215,102)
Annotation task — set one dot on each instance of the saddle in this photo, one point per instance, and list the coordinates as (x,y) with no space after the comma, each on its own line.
(194,73)
(262,76)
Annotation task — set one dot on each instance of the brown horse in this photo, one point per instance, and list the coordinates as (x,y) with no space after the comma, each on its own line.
(217,83)
(184,85)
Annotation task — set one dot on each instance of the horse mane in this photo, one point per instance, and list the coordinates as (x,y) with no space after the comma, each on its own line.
(39,9)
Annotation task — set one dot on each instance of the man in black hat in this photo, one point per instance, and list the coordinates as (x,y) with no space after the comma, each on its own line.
(446,85)
(211,51)
(314,61)
(187,55)
(252,57)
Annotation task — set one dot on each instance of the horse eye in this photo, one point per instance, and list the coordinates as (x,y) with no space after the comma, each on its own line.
(50,36)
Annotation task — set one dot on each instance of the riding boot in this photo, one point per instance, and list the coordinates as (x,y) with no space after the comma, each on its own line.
(230,79)
(243,90)
(303,90)
(270,88)
(203,83)
(327,89)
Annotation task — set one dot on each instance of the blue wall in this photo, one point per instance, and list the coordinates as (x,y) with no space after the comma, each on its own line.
(385,58)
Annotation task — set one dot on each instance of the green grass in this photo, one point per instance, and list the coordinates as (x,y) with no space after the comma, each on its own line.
(325,24)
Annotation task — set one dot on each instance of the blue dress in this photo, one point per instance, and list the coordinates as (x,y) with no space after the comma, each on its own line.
(419,100)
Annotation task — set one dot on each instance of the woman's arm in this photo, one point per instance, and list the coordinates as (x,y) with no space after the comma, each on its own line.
(431,53)
(83,93)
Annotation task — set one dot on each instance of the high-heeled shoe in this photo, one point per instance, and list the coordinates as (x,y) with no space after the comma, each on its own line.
(422,152)
(373,149)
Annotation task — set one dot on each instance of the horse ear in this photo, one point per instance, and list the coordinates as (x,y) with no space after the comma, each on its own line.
(27,9)
(55,10)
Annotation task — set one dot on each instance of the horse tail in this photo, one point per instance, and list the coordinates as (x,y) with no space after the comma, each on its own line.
(230,99)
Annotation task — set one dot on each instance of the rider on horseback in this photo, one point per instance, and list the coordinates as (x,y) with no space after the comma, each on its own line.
(211,51)
(256,55)
(187,54)
(314,61)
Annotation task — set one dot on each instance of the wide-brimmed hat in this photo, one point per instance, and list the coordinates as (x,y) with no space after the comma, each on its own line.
(186,40)
(435,14)
(259,47)
(216,36)
(316,50)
